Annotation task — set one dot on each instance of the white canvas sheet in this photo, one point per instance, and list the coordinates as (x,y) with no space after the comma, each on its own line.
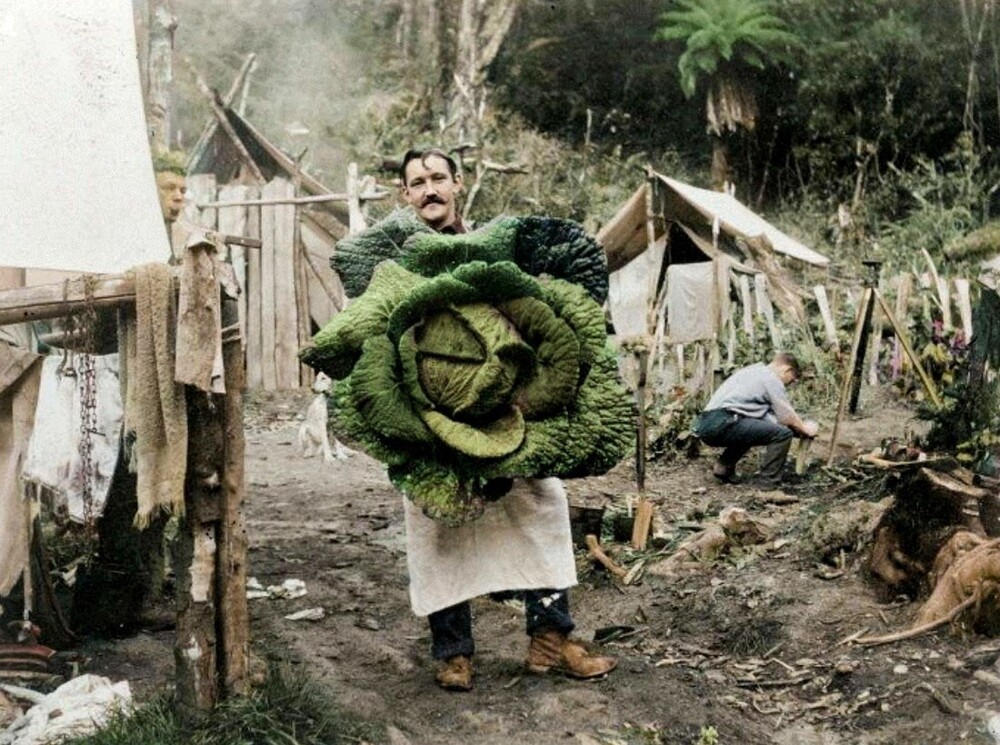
(77,190)
(631,292)
(690,289)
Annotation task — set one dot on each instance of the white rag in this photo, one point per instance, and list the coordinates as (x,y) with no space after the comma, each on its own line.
(53,458)
(521,542)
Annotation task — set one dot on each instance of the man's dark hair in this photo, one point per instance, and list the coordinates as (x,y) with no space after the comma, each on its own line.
(422,155)
(787,358)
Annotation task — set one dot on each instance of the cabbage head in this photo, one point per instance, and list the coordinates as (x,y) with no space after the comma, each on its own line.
(456,366)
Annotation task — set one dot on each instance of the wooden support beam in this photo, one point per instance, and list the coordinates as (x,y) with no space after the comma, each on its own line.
(227,127)
(370,196)
(55,300)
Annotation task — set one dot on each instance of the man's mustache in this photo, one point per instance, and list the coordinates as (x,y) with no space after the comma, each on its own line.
(431,199)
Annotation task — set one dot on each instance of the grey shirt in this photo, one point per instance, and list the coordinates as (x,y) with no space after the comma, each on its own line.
(754,392)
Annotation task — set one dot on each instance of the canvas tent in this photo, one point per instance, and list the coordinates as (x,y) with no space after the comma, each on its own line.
(290,291)
(678,253)
(77,190)
(74,130)
(80,197)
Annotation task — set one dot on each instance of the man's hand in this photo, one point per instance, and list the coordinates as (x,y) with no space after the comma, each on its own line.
(809,428)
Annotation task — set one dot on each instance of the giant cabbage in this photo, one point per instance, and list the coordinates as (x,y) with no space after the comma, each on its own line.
(470,358)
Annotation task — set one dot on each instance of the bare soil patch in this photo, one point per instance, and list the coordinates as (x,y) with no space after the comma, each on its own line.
(752,645)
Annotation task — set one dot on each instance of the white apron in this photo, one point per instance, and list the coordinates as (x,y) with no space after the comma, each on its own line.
(521,542)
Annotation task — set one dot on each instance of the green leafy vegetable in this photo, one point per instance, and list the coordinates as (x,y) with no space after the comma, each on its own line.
(457,366)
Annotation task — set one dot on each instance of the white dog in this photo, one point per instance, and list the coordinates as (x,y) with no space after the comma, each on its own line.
(313,436)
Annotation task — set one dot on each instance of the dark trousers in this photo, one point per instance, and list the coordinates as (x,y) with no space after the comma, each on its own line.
(737,434)
(451,628)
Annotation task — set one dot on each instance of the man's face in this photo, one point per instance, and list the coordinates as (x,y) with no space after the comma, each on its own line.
(431,190)
(171,188)
(787,375)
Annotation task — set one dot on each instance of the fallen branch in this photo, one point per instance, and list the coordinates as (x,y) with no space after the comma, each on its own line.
(595,550)
(916,631)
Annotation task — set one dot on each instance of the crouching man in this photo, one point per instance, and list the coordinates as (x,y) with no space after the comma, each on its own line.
(750,409)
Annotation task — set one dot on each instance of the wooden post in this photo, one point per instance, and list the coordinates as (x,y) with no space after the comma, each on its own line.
(643,508)
(212,647)
(876,351)
(964,306)
(903,291)
(845,388)
(829,327)
(231,575)
(867,307)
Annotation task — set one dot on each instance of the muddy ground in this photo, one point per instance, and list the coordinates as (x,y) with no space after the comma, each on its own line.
(752,645)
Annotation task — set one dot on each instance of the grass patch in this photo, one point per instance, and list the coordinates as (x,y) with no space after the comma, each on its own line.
(289,708)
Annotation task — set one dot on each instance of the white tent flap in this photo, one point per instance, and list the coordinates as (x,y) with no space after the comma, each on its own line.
(631,292)
(77,190)
(737,218)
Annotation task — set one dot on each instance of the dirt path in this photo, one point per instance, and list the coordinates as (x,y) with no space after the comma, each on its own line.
(749,646)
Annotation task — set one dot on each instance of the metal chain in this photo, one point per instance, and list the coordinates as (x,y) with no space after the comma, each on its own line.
(88,401)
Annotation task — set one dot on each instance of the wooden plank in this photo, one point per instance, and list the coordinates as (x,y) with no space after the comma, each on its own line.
(941,286)
(964,306)
(286,324)
(857,372)
(301,279)
(364,196)
(643,524)
(233,221)
(356,218)
(829,327)
(765,308)
(747,300)
(318,247)
(904,289)
(255,373)
(269,376)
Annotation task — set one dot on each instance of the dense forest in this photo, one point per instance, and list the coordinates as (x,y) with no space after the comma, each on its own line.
(886,113)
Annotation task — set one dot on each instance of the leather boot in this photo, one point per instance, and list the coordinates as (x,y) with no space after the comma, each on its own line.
(456,675)
(553,650)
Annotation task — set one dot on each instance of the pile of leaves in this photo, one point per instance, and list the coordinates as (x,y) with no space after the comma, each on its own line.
(467,360)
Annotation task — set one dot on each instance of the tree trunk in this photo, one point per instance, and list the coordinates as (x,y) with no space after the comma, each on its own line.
(720,163)
(161,28)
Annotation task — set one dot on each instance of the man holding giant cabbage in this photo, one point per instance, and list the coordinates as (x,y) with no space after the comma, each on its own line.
(475,365)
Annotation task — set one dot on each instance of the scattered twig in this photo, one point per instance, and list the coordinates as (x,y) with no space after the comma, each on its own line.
(595,550)
(943,702)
